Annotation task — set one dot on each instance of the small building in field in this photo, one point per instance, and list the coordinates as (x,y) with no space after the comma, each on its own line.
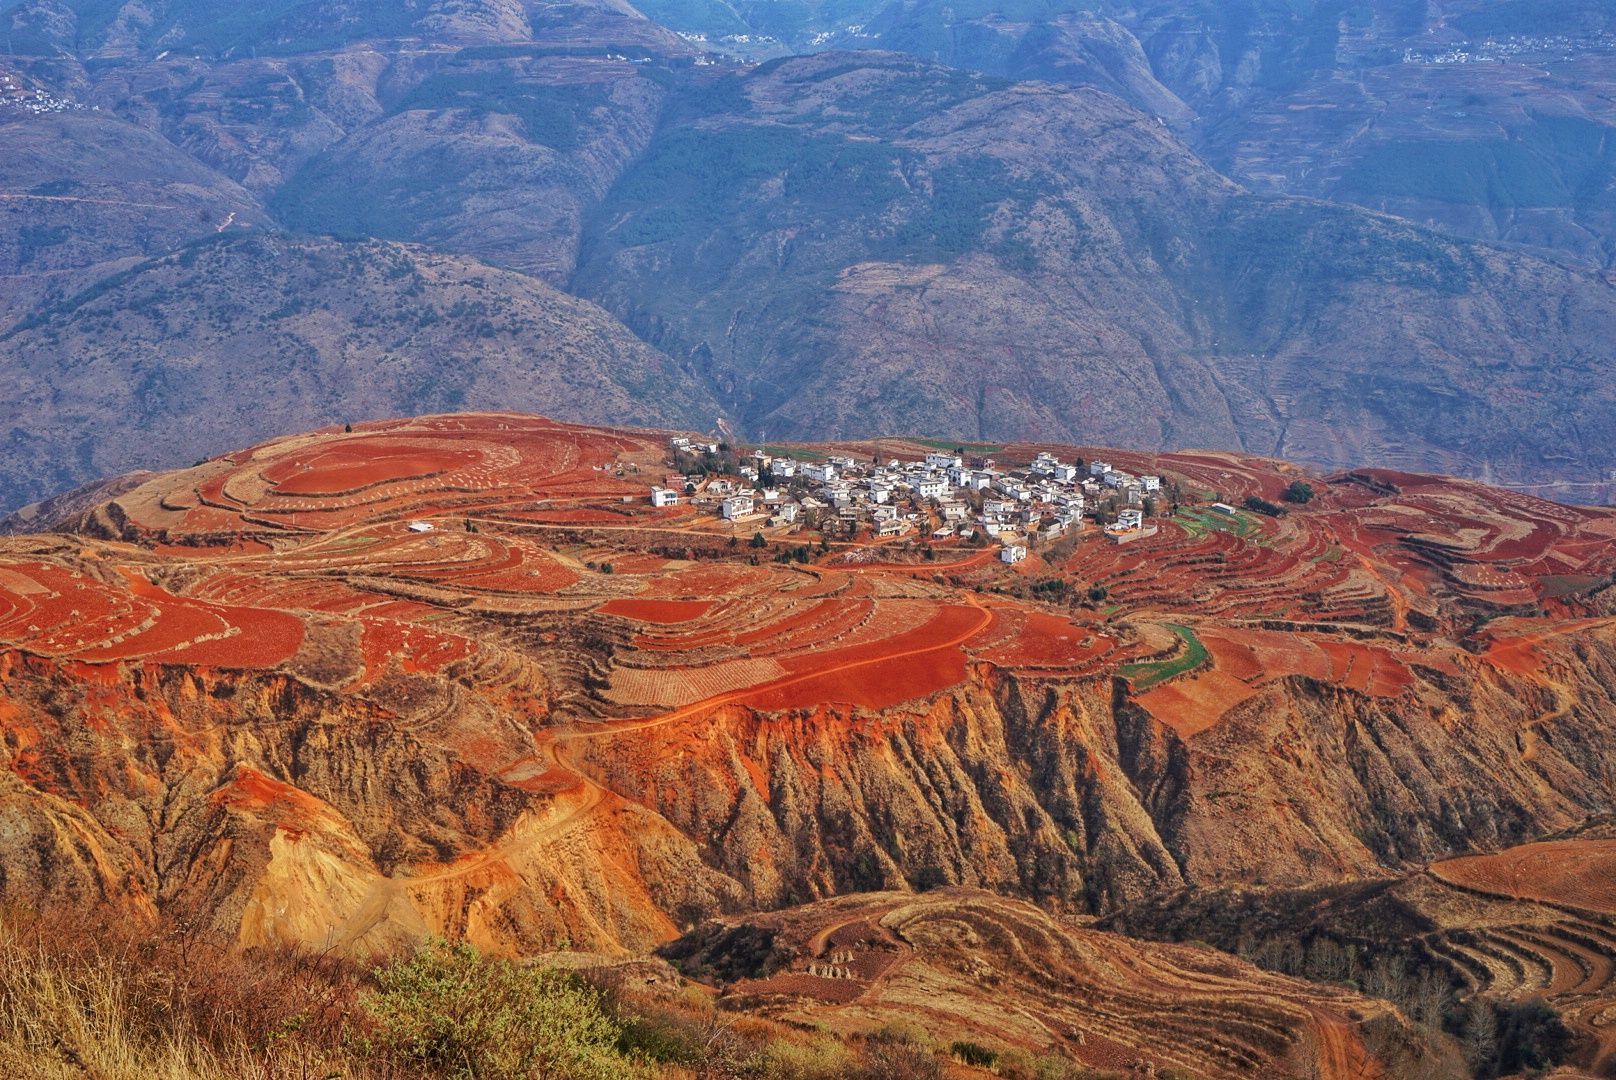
(422,526)
(1223,508)
(661,496)
(1012,553)
(736,506)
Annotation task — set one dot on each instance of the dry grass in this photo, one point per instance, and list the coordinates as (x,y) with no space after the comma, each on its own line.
(87,996)
(99,996)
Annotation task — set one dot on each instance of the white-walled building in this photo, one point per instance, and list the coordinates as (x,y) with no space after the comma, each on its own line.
(661,496)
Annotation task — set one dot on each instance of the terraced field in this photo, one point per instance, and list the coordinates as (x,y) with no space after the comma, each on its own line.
(455,674)
(951,961)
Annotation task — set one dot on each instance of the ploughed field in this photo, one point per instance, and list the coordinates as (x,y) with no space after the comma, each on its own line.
(456,675)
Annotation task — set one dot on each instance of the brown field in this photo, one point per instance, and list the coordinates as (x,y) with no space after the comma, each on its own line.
(1577,873)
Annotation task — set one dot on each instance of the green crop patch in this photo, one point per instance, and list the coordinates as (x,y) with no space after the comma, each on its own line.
(1149,673)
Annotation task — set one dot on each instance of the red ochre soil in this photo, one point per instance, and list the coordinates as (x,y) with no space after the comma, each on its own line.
(490,646)
(656,611)
(226,564)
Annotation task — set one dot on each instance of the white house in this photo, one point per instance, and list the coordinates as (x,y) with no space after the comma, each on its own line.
(1117,478)
(785,469)
(1130,519)
(1012,553)
(786,513)
(942,461)
(736,506)
(421,526)
(1065,474)
(931,487)
(892,528)
(661,496)
(1151,483)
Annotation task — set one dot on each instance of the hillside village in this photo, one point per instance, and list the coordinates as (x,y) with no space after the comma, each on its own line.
(943,497)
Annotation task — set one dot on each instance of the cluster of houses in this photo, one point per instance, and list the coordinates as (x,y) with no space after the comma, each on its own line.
(15,94)
(940,496)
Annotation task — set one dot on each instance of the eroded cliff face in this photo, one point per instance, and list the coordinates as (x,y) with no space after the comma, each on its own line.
(289,810)
(1068,793)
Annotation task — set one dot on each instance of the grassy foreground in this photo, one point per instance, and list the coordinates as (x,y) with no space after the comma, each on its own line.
(83,996)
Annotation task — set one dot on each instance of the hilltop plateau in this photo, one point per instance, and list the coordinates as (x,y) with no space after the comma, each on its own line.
(457,675)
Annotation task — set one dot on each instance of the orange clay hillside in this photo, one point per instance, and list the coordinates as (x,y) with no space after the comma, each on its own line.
(457,674)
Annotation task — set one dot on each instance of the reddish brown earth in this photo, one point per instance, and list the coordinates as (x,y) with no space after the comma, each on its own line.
(250,687)
(1533,923)
(955,961)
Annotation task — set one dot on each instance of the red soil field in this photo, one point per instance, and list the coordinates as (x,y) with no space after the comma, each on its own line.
(362,463)
(911,665)
(662,612)
(1194,703)
(1039,639)
(416,649)
(315,529)
(1581,873)
(1368,670)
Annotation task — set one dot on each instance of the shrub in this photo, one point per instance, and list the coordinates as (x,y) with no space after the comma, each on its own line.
(1298,492)
(452,1011)
(971,1053)
(897,1054)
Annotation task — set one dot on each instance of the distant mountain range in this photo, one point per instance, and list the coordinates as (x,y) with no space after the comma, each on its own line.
(1164,225)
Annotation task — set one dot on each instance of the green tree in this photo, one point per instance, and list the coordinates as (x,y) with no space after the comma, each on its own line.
(1299,492)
